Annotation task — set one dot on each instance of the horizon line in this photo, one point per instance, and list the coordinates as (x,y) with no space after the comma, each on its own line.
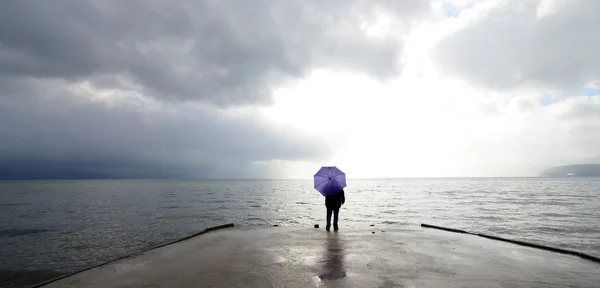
(292,179)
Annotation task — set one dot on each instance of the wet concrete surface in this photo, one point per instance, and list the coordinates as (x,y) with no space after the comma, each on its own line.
(308,257)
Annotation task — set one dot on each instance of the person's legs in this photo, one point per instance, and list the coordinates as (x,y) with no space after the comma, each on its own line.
(329,210)
(336,212)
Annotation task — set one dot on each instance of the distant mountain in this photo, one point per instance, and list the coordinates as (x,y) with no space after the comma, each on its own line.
(578,170)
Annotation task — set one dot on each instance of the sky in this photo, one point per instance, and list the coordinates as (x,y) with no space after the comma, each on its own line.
(277,89)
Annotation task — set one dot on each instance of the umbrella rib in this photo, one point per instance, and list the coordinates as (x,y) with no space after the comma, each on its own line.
(318,172)
(321,182)
(327,186)
(338,175)
(338,172)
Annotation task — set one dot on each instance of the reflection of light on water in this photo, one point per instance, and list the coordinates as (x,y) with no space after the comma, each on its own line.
(316,280)
(516,254)
(277,259)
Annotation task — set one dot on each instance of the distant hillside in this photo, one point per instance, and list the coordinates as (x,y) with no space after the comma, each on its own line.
(579,170)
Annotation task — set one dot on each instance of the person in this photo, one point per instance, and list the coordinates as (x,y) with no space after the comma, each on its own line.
(333,204)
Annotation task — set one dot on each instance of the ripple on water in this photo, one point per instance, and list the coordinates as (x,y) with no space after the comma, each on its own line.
(8,233)
(173,217)
(220,201)
(12,204)
(389,222)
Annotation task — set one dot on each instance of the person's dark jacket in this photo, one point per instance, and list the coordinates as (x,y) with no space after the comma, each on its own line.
(335,201)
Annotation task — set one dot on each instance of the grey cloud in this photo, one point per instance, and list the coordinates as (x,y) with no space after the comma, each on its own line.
(511,47)
(226,52)
(72,138)
(584,111)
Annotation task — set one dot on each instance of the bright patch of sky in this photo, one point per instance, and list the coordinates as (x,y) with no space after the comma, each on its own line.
(427,122)
(546,100)
(590,91)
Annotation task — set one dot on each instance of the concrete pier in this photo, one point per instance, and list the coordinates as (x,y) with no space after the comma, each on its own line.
(308,257)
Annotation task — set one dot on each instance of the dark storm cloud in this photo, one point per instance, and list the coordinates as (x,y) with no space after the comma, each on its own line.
(83,139)
(226,52)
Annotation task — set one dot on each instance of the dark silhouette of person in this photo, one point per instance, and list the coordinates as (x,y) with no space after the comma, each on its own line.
(333,204)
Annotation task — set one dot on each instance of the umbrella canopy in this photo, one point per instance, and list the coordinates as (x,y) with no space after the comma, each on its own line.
(329,180)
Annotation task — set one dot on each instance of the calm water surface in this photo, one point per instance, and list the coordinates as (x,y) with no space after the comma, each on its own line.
(48,228)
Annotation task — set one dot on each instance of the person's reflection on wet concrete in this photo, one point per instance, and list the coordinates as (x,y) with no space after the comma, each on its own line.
(333,262)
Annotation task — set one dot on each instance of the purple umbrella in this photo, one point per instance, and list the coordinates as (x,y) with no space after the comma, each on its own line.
(330,180)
